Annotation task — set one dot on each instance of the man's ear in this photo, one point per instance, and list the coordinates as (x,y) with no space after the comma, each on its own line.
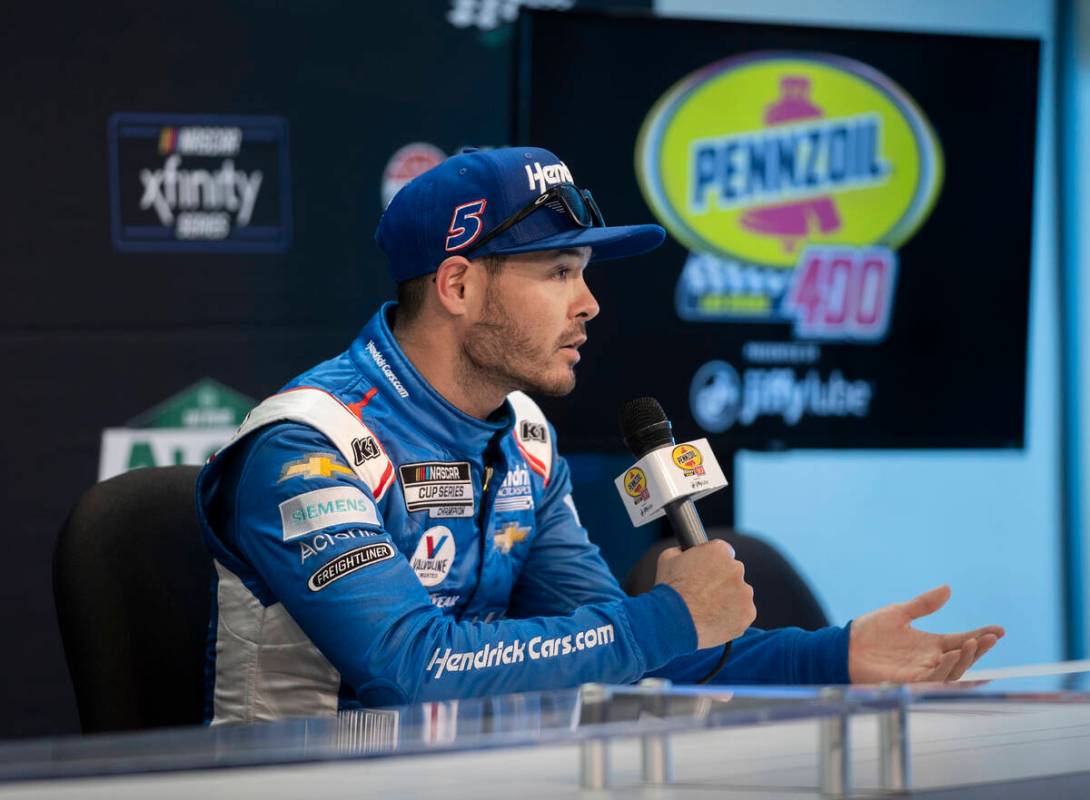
(458,285)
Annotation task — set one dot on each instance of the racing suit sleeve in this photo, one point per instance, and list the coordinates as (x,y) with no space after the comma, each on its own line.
(564,570)
(368,614)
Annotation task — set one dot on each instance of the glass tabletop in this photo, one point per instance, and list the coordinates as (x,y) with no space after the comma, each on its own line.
(516,720)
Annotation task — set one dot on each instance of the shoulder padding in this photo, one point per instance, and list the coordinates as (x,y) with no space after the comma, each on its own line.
(532,434)
(329,416)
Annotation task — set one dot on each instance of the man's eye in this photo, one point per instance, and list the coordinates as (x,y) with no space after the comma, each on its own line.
(562,273)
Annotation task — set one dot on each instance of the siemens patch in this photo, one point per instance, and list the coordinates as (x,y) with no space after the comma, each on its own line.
(352,561)
(199,183)
(326,508)
(445,488)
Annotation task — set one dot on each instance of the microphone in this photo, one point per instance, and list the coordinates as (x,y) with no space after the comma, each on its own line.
(645,428)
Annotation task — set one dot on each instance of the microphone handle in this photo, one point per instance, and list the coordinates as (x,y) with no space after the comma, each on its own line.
(686,523)
(690,532)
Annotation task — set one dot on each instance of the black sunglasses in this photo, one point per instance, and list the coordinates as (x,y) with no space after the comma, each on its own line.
(565,197)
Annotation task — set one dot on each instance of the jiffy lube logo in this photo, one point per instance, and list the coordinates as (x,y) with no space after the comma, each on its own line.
(792,178)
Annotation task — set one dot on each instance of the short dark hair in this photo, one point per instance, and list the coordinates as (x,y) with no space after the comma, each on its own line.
(412,293)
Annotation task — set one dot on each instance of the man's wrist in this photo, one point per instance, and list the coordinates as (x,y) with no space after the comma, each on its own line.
(662,625)
(827,657)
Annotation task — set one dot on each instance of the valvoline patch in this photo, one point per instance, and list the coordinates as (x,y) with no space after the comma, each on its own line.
(759,156)
(434,555)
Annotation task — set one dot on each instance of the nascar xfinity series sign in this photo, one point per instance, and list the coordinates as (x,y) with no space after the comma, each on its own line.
(849,218)
(193,182)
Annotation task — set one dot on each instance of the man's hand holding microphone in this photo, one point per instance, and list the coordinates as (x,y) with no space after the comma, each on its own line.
(712,582)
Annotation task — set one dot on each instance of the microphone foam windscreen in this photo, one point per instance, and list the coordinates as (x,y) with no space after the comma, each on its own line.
(639,413)
(644,425)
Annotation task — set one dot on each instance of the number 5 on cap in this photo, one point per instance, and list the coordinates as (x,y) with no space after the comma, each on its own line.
(465,224)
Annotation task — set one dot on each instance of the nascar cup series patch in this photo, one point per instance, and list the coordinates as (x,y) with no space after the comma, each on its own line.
(442,488)
(792,178)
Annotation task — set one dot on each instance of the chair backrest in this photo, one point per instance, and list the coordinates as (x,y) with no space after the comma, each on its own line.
(132,583)
(782,597)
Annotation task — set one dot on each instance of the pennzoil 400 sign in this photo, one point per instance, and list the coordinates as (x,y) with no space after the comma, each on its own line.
(792,178)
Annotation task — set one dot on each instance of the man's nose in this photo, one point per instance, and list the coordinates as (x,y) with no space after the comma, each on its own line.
(586,307)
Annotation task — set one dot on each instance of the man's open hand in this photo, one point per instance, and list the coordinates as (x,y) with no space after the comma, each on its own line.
(884,647)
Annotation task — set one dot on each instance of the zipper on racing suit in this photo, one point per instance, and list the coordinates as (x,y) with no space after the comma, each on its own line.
(493,454)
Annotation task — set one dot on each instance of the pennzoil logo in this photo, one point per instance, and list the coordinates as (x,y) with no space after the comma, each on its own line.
(199,183)
(688,459)
(635,485)
(792,178)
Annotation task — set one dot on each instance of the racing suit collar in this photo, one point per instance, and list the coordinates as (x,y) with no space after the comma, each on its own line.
(377,354)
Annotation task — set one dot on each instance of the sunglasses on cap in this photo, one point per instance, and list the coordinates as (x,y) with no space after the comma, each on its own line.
(577,203)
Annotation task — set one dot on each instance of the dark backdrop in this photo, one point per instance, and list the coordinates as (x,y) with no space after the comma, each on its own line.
(92,337)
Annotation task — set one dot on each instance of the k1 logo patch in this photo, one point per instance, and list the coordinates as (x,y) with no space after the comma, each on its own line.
(364,449)
(434,555)
(533,432)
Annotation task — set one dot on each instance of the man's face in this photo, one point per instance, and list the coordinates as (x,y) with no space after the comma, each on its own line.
(533,322)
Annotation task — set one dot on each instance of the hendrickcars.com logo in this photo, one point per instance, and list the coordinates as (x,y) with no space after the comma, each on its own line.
(197,182)
(792,178)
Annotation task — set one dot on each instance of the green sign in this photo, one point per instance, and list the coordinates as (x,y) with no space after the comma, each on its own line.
(205,404)
(184,429)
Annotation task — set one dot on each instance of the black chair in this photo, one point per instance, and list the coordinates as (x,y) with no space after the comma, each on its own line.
(781,595)
(131,580)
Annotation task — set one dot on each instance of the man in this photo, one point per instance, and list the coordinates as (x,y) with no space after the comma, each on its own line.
(396,525)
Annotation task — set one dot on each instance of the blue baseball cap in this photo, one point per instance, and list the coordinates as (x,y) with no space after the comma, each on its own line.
(444,211)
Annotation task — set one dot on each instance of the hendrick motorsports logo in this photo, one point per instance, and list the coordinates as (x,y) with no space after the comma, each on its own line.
(719,398)
(792,178)
(195,182)
(186,429)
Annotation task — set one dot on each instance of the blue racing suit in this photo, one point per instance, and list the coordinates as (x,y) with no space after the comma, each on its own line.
(373,544)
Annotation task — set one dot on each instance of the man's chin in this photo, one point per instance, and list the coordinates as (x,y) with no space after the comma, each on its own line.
(558,387)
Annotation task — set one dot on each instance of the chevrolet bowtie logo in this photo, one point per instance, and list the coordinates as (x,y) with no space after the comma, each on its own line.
(315,465)
(511,535)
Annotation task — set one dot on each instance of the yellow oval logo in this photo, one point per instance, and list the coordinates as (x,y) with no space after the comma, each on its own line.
(687,457)
(635,483)
(760,156)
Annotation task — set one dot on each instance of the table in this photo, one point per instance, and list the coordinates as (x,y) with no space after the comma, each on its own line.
(1004,733)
